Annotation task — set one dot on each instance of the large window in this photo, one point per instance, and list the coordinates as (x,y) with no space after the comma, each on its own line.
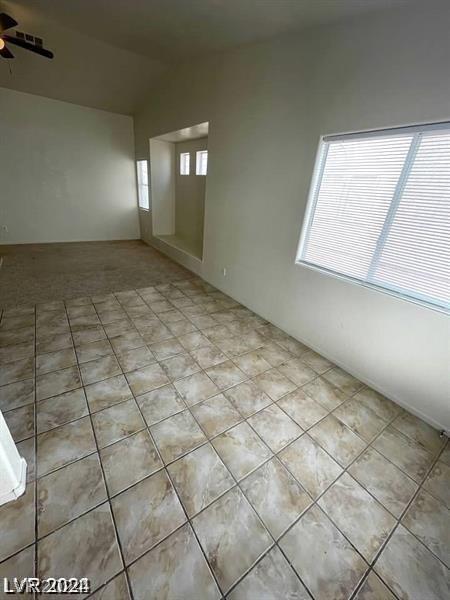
(379,211)
(185,163)
(201,164)
(143,184)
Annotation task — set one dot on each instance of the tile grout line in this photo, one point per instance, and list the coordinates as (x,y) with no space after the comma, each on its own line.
(113,518)
(368,445)
(173,486)
(398,523)
(164,467)
(245,418)
(237,485)
(264,462)
(222,391)
(274,541)
(36,503)
(90,454)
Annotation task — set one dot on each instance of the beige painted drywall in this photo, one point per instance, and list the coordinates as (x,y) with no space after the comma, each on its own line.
(267,106)
(190,193)
(67,172)
(162,184)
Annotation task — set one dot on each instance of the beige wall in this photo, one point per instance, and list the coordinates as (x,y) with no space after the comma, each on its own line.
(189,193)
(162,186)
(66,172)
(267,106)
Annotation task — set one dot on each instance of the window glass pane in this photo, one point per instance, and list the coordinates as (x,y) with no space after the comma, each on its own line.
(185,159)
(143,186)
(201,162)
(415,255)
(380,211)
(142,172)
(356,188)
(143,197)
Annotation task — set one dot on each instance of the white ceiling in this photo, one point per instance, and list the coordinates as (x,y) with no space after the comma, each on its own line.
(84,71)
(108,53)
(173,30)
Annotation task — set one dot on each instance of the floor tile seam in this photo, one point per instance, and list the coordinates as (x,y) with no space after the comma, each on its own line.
(91,594)
(36,504)
(209,438)
(389,422)
(15,343)
(441,435)
(112,516)
(175,491)
(363,485)
(188,520)
(245,418)
(399,522)
(433,457)
(237,483)
(315,502)
(368,445)
(117,355)
(397,467)
(17,380)
(165,466)
(17,552)
(69,463)
(75,518)
(360,585)
(409,504)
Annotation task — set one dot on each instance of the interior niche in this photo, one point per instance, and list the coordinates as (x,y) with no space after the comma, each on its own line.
(178,201)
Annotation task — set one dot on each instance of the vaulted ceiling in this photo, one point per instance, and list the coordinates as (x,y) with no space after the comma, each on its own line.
(172,30)
(109,53)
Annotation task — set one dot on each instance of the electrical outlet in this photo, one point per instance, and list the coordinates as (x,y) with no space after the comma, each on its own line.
(224,272)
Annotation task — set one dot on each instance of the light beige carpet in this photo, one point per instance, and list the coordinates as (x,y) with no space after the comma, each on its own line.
(33,273)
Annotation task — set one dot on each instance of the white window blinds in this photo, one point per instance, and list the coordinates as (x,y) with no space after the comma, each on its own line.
(379,211)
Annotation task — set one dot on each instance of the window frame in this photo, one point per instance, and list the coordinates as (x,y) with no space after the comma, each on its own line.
(204,151)
(182,156)
(143,185)
(313,196)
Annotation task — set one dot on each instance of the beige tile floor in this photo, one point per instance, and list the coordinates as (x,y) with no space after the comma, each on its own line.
(179,446)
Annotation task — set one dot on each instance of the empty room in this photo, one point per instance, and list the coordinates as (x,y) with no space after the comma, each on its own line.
(224,299)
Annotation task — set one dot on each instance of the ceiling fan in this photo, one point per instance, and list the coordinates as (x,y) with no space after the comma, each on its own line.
(23,40)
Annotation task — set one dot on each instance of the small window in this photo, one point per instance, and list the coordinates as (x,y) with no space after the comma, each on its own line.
(201,165)
(185,163)
(143,184)
(379,211)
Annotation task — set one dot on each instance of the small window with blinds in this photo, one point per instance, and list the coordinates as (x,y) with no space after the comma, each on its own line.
(379,211)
